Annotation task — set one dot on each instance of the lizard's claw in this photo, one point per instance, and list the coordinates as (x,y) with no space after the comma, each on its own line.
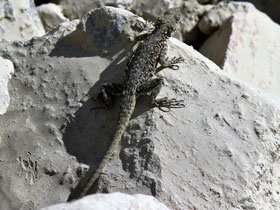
(174,61)
(174,67)
(165,104)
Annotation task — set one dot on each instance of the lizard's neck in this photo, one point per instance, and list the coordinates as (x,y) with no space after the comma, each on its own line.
(161,33)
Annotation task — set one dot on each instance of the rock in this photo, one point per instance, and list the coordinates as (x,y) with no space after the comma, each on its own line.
(105,27)
(191,12)
(113,201)
(76,9)
(152,9)
(219,152)
(19,20)
(47,90)
(252,57)
(51,15)
(219,14)
(5,75)
(119,3)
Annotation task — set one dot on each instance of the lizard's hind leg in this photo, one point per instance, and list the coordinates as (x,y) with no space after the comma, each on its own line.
(107,91)
(154,86)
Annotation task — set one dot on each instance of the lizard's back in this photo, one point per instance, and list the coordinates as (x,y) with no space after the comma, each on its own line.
(142,64)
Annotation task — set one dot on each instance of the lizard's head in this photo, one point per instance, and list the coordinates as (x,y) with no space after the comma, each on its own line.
(169,21)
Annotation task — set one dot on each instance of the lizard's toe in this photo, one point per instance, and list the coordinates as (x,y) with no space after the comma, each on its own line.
(165,104)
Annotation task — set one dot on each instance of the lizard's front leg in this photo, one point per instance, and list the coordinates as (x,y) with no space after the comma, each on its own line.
(107,91)
(165,62)
(154,86)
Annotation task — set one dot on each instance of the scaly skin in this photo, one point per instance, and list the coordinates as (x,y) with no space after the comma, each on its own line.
(139,71)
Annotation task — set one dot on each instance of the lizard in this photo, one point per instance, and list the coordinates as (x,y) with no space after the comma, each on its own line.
(139,79)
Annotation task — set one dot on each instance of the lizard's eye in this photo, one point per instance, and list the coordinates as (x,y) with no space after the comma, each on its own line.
(158,21)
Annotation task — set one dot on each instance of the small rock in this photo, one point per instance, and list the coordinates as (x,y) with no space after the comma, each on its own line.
(50,171)
(5,75)
(51,15)
(19,20)
(113,201)
(219,14)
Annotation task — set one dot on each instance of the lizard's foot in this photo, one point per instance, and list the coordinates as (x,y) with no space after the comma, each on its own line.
(104,98)
(165,104)
(172,63)
(175,60)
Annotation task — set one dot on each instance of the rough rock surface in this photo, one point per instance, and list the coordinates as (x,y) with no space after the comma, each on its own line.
(49,135)
(113,201)
(19,20)
(76,9)
(244,48)
(192,12)
(220,152)
(51,15)
(152,9)
(219,14)
(7,69)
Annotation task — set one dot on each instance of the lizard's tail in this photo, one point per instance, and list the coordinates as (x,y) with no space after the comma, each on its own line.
(125,115)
